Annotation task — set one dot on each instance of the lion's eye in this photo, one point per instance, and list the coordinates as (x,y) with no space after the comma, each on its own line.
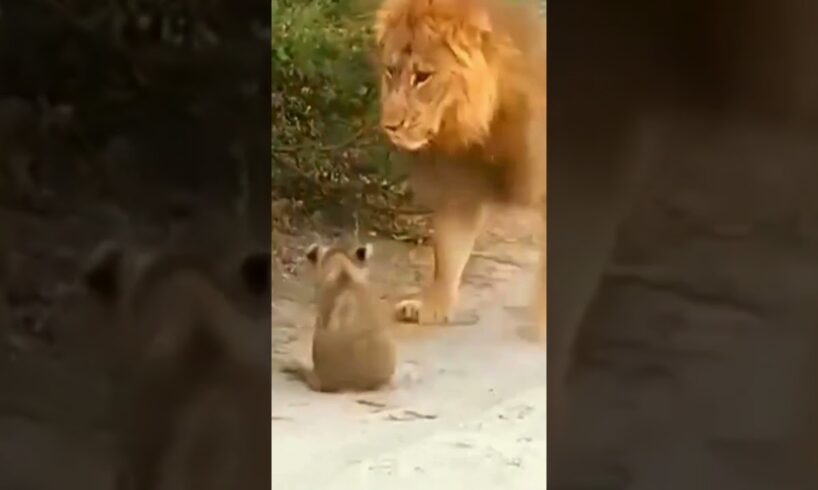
(421,77)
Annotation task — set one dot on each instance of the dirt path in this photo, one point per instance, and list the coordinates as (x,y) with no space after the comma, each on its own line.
(465,397)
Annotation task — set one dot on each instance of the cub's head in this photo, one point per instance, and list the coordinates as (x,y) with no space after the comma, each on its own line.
(344,261)
(439,74)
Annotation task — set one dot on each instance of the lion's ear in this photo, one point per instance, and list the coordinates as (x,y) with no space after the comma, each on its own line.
(315,253)
(363,253)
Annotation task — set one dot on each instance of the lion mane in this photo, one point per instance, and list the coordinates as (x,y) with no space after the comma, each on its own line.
(464,89)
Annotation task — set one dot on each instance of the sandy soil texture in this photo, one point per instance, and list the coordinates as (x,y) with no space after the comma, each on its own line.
(468,402)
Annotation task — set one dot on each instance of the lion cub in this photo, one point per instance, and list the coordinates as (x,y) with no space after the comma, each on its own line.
(352,349)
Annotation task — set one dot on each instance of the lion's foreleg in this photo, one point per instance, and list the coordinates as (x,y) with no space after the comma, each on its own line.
(456,228)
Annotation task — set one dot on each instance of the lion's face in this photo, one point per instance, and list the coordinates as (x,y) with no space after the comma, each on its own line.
(437,84)
(415,90)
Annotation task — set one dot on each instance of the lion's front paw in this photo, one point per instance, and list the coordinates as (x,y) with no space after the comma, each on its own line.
(408,310)
(425,310)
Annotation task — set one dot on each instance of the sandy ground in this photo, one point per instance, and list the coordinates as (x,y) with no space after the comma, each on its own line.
(467,406)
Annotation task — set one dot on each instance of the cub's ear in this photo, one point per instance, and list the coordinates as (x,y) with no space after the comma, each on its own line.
(314,253)
(363,253)
(256,272)
(102,273)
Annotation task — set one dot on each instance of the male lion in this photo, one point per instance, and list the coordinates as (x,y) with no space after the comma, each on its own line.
(463,91)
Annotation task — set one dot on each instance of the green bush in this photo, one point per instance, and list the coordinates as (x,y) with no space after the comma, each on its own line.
(327,152)
(322,79)
(320,62)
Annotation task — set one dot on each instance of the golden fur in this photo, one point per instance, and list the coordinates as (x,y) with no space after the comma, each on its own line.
(463,91)
(352,348)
